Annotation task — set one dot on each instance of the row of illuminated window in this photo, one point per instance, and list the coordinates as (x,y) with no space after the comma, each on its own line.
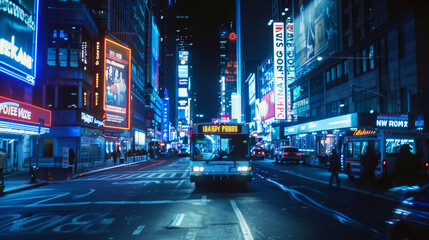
(337,74)
(364,60)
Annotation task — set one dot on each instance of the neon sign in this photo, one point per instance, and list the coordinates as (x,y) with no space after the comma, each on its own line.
(22,112)
(219,128)
(279,71)
(18,38)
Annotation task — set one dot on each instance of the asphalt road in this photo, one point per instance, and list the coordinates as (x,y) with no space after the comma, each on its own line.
(155,200)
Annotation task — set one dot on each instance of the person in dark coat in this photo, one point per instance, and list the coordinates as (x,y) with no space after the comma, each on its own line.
(71,156)
(369,163)
(407,167)
(334,167)
(114,156)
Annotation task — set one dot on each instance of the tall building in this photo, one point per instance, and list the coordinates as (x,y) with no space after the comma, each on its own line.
(68,83)
(356,61)
(184,28)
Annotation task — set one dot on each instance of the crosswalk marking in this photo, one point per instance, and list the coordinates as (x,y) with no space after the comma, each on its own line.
(128,176)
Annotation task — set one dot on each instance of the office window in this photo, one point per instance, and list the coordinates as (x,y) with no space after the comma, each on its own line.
(364,60)
(62,57)
(358,63)
(74,57)
(52,56)
(340,70)
(371,56)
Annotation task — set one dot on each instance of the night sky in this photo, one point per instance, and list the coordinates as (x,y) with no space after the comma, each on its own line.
(208,16)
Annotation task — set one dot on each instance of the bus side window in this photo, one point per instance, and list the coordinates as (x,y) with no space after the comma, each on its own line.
(356,149)
(350,149)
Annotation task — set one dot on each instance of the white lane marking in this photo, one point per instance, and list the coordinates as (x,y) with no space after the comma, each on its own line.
(184,174)
(191,235)
(152,175)
(139,230)
(172,175)
(178,185)
(177,220)
(58,196)
(326,182)
(84,195)
(161,175)
(190,201)
(244,228)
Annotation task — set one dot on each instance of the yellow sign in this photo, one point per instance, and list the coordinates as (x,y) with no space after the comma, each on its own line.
(363,132)
(219,129)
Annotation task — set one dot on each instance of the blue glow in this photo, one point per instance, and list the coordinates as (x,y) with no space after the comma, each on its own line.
(19,73)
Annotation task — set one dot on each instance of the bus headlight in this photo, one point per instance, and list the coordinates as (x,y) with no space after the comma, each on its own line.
(197,169)
(244,168)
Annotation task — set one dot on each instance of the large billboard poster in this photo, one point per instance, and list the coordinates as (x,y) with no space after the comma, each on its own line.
(117,85)
(315,29)
(155,55)
(266,107)
(18,38)
(290,66)
(279,71)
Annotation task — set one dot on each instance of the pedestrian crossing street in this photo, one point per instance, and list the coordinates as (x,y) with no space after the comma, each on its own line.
(134,176)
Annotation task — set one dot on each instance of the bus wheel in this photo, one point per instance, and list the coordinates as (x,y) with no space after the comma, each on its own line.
(349,172)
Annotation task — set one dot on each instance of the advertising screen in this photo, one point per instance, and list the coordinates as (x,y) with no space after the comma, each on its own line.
(183,57)
(18,39)
(117,85)
(252,88)
(183,81)
(155,55)
(315,29)
(183,71)
(183,92)
(266,107)
(22,112)
(165,127)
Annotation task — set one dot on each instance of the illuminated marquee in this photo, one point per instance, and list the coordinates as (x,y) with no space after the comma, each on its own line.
(22,112)
(219,128)
(363,132)
(18,38)
(279,71)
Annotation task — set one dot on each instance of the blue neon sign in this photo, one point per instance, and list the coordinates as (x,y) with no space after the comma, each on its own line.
(18,38)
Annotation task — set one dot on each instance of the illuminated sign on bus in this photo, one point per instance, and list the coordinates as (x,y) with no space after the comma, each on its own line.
(219,128)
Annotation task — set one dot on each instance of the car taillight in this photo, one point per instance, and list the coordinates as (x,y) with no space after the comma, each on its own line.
(285,153)
(298,154)
(263,153)
(384,166)
(427,164)
(253,152)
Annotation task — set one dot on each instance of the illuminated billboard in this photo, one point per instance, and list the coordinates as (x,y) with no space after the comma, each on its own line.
(183,92)
(266,107)
(183,57)
(18,38)
(183,71)
(252,88)
(155,55)
(315,24)
(279,70)
(22,112)
(117,85)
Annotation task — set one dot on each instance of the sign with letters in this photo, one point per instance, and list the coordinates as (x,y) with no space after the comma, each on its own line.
(219,128)
(392,121)
(279,71)
(23,112)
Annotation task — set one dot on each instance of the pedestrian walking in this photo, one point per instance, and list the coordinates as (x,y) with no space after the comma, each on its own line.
(2,164)
(114,156)
(334,167)
(369,163)
(407,167)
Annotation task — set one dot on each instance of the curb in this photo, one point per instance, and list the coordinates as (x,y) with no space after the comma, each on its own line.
(106,168)
(29,186)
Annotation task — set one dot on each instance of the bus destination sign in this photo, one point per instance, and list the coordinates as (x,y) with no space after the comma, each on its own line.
(219,128)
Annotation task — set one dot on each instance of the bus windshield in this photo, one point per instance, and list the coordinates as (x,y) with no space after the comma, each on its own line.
(227,147)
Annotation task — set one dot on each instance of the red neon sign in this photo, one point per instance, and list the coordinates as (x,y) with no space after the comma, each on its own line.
(22,112)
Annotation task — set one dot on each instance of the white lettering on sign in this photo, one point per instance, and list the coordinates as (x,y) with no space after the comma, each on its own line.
(86,118)
(13,109)
(15,10)
(279,71)
(16,53)
(392,123)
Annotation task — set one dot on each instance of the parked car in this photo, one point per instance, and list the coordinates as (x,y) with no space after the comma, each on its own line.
(184,152)
(411,219)
(288,154)
(257,153)
(163,152)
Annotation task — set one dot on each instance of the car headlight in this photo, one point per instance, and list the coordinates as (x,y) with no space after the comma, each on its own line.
(197,169)
(244,168)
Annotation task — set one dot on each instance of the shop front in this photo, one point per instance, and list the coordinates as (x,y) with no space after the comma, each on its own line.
(317,139)
(20,125)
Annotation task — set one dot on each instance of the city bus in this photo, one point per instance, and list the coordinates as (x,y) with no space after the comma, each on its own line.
(220,152)
(386,145)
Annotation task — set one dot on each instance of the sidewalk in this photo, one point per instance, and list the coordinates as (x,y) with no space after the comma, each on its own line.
(20,181)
